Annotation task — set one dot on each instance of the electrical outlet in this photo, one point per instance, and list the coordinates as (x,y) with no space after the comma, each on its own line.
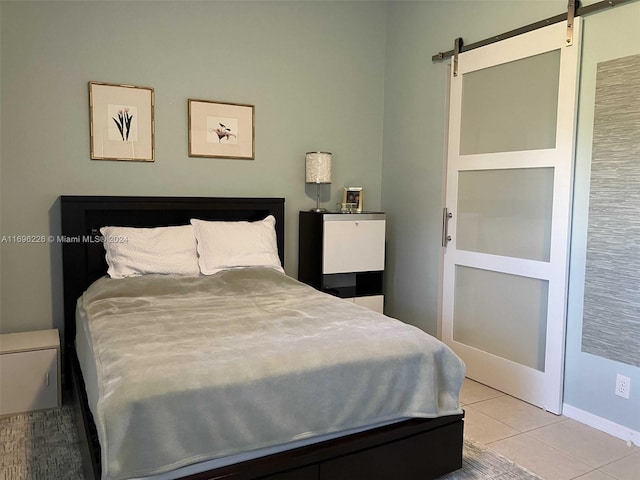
(623,385)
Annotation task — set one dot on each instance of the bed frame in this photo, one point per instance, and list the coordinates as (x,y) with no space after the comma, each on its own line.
(415,449)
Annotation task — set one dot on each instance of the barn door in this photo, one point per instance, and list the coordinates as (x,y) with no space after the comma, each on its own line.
(508,198)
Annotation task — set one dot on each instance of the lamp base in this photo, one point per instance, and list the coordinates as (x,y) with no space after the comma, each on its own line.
(318,209)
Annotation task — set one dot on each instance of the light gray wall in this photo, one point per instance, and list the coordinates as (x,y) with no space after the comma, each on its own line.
(313,70)
(412,170)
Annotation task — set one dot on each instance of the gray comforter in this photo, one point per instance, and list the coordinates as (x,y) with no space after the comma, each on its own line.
(195,368)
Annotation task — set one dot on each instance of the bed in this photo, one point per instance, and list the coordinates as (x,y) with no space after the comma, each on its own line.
(389,448)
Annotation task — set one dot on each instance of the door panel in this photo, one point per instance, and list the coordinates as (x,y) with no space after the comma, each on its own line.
(520,227)
(509,180)
(493,119)
(502,314)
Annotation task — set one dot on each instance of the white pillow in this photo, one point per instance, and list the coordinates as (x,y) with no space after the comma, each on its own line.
(223,245)
(139,251)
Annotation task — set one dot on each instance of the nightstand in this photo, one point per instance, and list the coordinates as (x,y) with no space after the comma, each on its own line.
(343,254)
(29,371)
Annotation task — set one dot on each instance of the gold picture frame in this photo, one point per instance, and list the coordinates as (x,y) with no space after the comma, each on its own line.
(352,199)
(221,130)
(121,122)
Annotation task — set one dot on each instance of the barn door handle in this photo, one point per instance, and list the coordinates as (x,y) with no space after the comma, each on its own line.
(446,216)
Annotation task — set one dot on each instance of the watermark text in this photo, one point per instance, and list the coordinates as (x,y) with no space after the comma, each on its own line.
(63,239)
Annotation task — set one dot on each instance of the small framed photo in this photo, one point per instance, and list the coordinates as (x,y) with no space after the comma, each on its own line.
(352,198)
(221,130)
(121,122)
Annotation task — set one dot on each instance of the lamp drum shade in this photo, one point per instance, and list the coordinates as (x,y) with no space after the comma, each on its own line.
(318,167)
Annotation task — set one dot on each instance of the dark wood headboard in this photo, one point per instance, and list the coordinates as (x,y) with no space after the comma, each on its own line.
(83,254)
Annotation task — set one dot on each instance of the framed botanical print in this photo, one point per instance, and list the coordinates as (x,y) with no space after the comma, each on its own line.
(121,122)
(221,130)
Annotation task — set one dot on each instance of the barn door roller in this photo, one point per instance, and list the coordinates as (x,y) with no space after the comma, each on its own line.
(457,46)
(571,13)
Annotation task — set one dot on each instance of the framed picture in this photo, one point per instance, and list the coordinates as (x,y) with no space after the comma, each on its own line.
(221,130)
(352,199)
(121,122)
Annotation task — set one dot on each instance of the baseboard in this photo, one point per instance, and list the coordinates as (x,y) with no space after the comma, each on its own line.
(602,424)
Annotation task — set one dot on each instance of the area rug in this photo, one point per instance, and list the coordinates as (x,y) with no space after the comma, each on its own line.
(480,463)
(40,445)
(44,446)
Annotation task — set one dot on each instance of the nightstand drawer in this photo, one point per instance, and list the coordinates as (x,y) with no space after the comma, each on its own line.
(28,381)
(374,302)
(29,371)
(353,246)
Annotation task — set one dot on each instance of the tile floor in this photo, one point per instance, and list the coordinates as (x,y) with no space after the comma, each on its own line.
(553,447)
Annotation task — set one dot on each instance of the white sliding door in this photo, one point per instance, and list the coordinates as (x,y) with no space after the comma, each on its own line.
(509,190)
